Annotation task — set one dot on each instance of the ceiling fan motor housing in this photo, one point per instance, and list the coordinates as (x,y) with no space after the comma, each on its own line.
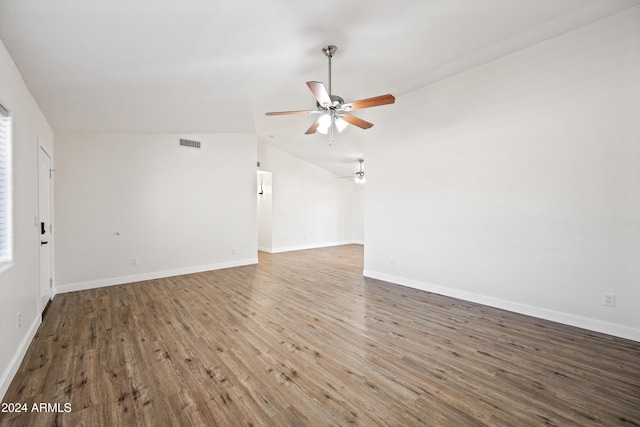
(336,100)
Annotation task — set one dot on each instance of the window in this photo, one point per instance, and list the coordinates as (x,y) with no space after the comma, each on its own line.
(6,245)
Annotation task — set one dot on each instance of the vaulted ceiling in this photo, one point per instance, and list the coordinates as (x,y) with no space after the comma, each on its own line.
(200,66)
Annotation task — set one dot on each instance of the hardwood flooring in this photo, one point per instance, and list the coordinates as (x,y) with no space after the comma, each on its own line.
(302,339)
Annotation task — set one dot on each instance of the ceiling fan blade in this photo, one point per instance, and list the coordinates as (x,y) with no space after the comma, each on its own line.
(312,129)
(321,94)
(369,102)
(357,121)
(282,113)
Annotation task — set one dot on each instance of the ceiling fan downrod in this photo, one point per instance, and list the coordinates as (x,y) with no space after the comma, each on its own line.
(329,51)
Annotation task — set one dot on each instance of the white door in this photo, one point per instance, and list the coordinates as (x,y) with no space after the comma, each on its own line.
(44,227)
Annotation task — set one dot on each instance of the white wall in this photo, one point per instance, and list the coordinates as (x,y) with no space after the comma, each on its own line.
(311,207)
(19,283)
(517,184)
(178,210)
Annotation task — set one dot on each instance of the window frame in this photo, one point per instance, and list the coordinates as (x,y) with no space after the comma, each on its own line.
(6,188)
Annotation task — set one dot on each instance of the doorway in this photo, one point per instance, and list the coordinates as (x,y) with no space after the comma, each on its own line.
(265,236)
(45,228)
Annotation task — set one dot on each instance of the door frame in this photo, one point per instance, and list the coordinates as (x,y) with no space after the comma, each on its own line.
(45,290)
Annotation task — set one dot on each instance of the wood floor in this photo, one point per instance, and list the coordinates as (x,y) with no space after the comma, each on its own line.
(302,339)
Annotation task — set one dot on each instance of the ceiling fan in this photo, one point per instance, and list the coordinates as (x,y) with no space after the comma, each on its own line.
(334,111)
(358,177)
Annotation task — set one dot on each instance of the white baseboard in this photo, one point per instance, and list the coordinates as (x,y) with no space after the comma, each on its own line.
(529,310)
(92,284)
(10,372)
(310,246)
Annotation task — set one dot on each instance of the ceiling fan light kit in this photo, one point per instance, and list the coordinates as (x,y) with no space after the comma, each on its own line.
(334,111)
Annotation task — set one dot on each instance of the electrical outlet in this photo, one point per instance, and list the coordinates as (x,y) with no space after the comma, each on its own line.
(391,263)
(234,251)
(134,262)
(19,321)
(609,300)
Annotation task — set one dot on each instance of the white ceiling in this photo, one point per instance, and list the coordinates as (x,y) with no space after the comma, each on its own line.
(197,66)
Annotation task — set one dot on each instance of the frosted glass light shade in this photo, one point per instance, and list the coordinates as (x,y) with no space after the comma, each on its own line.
(323,123)
(341,123)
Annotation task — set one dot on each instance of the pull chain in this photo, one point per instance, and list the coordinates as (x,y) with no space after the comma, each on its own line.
(330,56)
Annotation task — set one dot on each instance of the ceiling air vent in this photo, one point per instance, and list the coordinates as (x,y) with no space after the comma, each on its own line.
(189,143)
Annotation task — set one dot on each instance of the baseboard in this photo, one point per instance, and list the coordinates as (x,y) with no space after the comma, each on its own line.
(311,246)
(92,284)
(10,372)
(529,310)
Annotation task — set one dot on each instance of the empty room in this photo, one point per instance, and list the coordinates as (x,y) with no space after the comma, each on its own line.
(286,213)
